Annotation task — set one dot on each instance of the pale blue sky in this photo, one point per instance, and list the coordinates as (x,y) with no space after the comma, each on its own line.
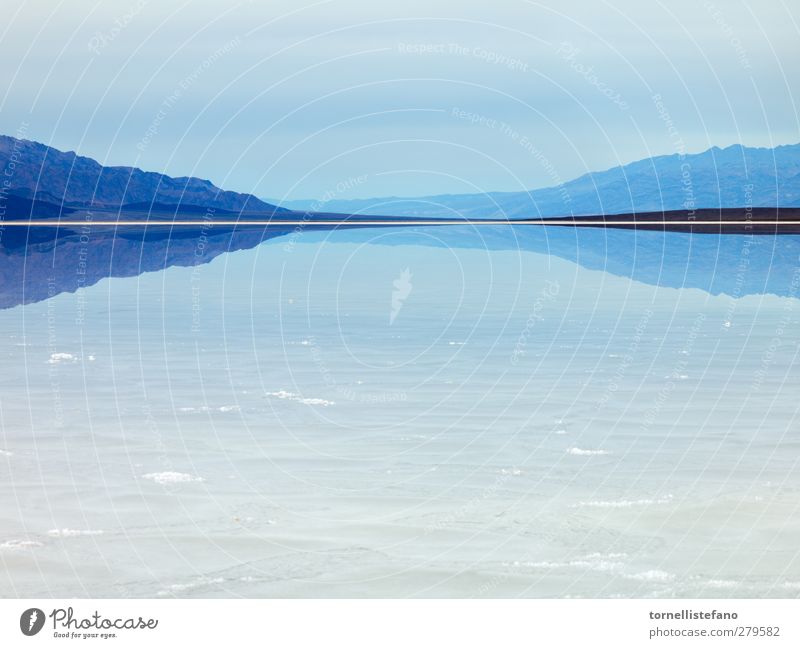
(296,99)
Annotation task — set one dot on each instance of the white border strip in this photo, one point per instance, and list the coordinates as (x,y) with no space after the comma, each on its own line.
(406,623)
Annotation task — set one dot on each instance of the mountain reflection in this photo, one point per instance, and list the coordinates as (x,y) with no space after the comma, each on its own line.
(75,259)
(37,263)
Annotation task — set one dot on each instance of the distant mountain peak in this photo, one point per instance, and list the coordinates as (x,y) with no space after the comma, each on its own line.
(733,176)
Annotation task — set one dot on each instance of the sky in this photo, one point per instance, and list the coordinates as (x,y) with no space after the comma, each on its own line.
(337,98)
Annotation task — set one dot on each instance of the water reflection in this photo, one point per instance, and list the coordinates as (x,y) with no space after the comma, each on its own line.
(40,262)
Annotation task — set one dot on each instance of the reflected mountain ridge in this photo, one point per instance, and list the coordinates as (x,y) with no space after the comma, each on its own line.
(37,263)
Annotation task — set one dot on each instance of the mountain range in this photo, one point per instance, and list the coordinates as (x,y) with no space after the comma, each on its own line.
(36,171)
(731,177)
(36,180)
(718,177)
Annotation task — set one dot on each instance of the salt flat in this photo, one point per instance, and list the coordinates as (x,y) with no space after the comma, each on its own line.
(366,420)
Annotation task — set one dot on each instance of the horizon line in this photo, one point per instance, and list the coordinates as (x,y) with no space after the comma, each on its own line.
(580,221)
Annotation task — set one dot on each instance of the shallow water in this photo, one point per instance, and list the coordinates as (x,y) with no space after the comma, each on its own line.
(309,420)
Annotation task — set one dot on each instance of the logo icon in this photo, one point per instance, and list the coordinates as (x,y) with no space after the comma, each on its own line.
(31,621)
(402,289)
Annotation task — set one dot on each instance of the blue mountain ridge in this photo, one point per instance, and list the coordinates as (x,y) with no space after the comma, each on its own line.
(50,183)
(729,177)
(736,176)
